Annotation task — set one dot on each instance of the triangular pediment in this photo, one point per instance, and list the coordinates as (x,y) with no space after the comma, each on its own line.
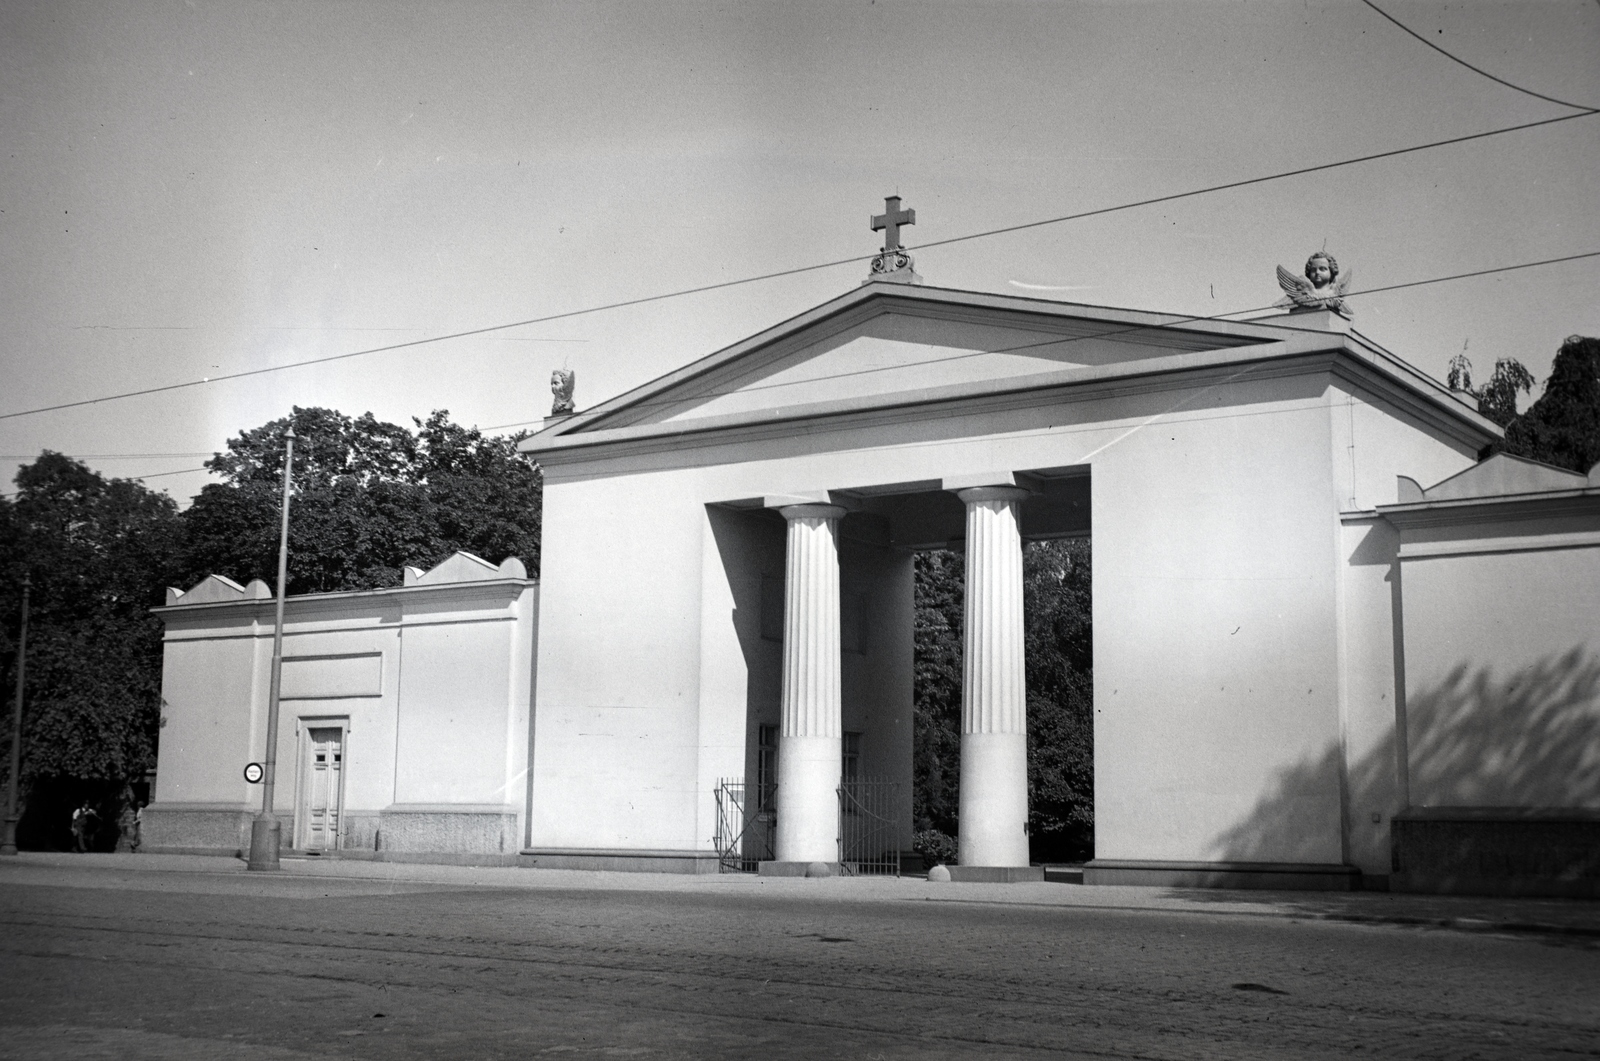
(1502,475)
(898,350)
(877,346)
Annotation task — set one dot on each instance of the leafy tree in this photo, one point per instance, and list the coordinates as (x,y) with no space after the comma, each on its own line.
(1497,399)
(370,497)
(1059,657)
(1057,613)
(936,742)
(97,552)
(1563,426)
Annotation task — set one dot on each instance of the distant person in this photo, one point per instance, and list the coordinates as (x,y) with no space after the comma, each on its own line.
(83,827)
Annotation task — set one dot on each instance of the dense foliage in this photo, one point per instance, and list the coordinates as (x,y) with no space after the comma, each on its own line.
(370,498)
(1059,661)
(97,553)
(936,733)
(1563,426)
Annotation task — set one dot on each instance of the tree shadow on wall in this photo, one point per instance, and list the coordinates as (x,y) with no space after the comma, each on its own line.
(1531,739)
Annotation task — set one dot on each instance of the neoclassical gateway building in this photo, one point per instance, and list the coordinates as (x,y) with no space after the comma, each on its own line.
(1333,645)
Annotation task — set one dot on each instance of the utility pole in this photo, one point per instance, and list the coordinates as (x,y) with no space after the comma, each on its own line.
(266,830)
(8,838)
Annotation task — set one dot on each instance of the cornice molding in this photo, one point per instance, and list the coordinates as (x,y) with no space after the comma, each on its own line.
(1306,354)
(305,605)
(1507,508)
(1403,385)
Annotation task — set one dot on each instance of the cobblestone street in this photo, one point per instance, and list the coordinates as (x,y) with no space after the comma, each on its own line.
(104,963)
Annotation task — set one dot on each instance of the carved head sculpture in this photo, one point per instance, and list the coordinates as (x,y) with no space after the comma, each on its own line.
(562,382)
(1322,269)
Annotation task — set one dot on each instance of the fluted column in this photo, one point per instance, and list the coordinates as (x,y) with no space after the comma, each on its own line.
(994,731)
(808,751)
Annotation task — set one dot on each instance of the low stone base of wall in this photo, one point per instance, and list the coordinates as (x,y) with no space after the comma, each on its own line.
(774,868)
(359,830)
(1497,851)
(620,860)
(408,830)
(196,828)
(996,874)
(447,858)
(1289,876)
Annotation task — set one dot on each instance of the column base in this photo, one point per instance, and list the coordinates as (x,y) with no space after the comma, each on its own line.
(799,869)
(808,799)
(996,874)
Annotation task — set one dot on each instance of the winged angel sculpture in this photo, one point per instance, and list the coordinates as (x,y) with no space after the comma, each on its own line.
(1323,287)
(562,382)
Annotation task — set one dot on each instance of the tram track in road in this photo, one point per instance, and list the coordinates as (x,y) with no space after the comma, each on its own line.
(636,957)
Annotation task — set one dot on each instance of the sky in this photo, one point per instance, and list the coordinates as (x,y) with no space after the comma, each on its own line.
(192,189)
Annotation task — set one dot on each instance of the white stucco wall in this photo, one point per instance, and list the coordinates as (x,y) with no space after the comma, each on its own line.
(1502,664)
(210,715)
(1373,443)
(431,684)
(1218,560)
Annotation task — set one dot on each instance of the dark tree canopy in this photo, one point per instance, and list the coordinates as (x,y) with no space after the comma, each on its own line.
(936,740)
(1057,611)
(369,499)
(1563,426)
(98,553)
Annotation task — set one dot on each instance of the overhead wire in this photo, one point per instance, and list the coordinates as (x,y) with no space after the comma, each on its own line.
(1477,69)
(126,478)
(1168,321)
(722,285)
(108,456)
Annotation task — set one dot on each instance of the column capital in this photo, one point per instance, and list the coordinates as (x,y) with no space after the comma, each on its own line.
(812,511)
(975,494)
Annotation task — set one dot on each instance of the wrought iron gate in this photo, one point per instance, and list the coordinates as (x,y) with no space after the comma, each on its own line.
(744,837)
(869,843)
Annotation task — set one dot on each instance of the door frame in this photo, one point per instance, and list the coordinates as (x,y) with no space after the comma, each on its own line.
(303,727)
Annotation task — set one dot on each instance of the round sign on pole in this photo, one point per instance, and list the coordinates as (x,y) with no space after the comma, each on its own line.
(253,773)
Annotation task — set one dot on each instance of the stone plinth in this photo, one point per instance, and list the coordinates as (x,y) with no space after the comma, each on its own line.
(996,874)
(799,869)
(1497,851)
(1284,876)
(446,829)
(196,828)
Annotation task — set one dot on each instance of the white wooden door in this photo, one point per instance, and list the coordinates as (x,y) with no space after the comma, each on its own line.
(321,788)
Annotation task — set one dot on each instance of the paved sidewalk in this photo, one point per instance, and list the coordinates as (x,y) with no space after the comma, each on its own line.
(1567,917)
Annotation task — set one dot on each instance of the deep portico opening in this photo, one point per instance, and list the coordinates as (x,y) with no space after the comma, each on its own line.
(900,592)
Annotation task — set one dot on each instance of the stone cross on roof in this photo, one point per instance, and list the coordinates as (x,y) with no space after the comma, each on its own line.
(890,220)
(892,263)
